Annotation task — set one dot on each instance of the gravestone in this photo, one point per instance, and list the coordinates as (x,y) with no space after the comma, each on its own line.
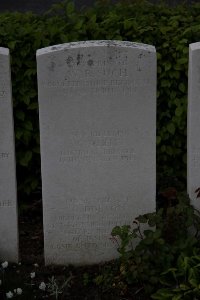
(8,198)
(193,140)
(97,109)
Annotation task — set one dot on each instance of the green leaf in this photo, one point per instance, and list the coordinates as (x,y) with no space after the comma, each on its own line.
(161,241)
(28,125)
(33,106)
(11,45)
(184,287)
(30,72)
(158,140)
(148,241)
(171,128)
(165,83)
(24,161)
(20,115)
(177,297)
(151,222)
(179,111)
(182,61)
(167,66)
(182,87)
(163,294)
(147,232)
(141,219)
(18,133)
(157,234)
(70,8)
(34,183)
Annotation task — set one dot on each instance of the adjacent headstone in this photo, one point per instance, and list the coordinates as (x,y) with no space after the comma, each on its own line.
(97,108)
(193,138)
(8,198)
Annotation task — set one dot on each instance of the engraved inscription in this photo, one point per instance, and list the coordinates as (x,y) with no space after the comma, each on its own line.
(196,159)
(80,216)
(5,203)
(100,199)
(99,145)
(2,94)
(88,74)
(116,58)
(95,83)
(97,86)
(82,226)
(4,155)
(74,246)
(100,133)
(104,155)
(3,85)
(198,74)
(79,242)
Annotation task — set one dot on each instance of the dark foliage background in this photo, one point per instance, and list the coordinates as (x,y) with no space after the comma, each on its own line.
(170,30)
(38,6)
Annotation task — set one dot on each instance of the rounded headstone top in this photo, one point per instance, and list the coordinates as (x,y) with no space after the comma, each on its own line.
(195,46)
(4,51)
(105,43)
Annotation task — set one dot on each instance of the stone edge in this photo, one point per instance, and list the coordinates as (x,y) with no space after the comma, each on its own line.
(194,46)
(4,51)
(96,43)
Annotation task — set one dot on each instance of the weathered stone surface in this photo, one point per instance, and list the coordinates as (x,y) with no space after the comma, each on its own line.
(97,106)
(193,139)
(8,198)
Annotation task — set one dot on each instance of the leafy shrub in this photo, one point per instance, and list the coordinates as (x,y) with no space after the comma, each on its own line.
(181,281)
(166,261)
(171,30)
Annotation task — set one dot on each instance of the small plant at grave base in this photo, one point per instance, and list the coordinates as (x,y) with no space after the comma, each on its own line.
(166,262)
(53,288)
(34,287)
(185,273)
(86,279)
(181,281)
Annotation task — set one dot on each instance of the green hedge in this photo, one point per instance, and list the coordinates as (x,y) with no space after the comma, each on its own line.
(170,30)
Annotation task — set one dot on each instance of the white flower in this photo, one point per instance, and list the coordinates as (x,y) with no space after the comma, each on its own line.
(4,264)
(36,265)
(32,275)
(9,295)
(19,291)
(0,282)
(42,286)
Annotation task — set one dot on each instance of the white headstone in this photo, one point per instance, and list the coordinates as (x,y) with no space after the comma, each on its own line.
(8,193)
(193,137)
(97,107)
